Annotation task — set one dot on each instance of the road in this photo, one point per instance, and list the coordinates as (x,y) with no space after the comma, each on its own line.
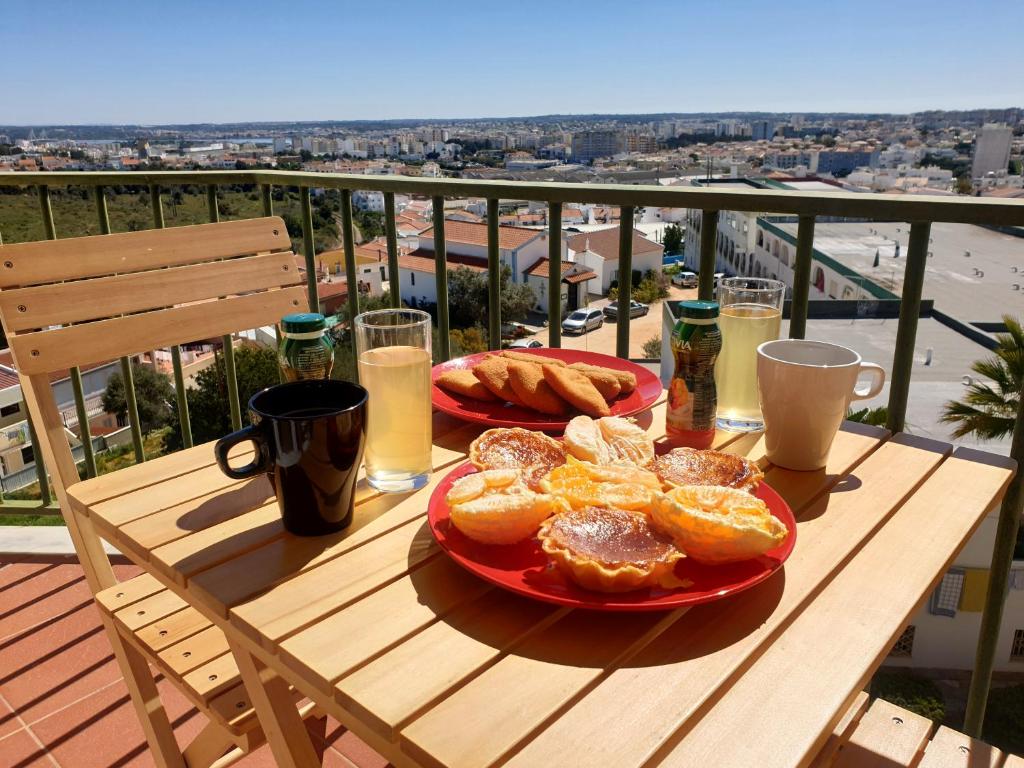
(640,329)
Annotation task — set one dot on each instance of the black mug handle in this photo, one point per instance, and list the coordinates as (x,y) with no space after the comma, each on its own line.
(257,466)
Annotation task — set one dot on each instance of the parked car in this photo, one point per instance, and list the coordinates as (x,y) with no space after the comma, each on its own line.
(525,344)
(685,279)
(583,320)
(636,309)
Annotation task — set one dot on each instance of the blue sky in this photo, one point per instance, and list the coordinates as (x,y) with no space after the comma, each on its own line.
(147,62)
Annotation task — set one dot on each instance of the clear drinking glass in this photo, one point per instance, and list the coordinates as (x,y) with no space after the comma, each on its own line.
(393,347)
(750,313)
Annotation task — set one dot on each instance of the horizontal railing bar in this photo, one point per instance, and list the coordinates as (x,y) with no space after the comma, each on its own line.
(960,209)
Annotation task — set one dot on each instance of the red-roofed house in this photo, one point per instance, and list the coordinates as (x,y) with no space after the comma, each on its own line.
(599,250)
(575,278)
(518,247)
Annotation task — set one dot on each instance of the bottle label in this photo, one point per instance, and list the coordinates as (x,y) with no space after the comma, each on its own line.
(692,398)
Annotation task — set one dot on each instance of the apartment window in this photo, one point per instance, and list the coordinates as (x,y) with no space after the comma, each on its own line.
(904,646)
(10,410)
(412,278)
(946,598)
(1017,649)
(27,455)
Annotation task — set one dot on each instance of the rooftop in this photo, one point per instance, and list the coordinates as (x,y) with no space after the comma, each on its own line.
(422,260)
(975,288)
(509,238)
(605,242)
(571,272)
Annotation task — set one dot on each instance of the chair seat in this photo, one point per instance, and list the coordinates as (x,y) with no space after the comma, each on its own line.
(185,646)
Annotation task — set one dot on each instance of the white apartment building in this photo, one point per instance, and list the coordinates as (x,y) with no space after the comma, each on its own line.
(991,150)
(368,200)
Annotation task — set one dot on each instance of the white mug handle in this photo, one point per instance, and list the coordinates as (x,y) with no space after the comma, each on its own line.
(878,381)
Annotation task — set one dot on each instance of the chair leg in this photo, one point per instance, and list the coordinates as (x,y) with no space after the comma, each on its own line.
(144,694)
(286,733)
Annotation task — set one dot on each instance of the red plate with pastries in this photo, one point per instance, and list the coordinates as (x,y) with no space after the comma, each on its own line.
(524,568)
(498,414)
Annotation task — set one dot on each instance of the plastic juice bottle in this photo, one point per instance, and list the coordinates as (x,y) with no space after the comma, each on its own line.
(306,351)
(692,400)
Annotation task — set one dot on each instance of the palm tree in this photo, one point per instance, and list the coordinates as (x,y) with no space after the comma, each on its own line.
(989,408)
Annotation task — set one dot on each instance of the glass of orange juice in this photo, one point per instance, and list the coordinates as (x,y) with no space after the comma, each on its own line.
(393,348)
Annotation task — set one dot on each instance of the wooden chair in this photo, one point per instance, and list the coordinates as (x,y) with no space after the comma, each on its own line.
(77,301)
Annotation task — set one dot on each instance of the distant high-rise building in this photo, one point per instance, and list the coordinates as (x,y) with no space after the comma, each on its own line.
(762,130)
(991,150)
(589,145)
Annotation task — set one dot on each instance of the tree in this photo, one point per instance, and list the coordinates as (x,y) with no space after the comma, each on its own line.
(208,409)
(963,185)
(673,238)
(989,407)
(467,297)
(153,396)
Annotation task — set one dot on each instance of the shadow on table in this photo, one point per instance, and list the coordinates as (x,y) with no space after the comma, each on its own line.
(530,628)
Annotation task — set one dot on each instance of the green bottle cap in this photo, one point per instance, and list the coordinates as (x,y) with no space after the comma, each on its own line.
(699,309)
(303,322)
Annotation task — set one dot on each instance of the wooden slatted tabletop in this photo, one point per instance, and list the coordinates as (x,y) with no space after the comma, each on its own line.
(434,667)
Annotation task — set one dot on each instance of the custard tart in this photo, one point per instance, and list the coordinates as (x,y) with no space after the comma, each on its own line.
(691,466)
(608,550)
(534,453)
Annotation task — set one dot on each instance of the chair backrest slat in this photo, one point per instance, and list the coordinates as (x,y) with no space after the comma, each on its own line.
(41,306)
(59,348)
(51,261)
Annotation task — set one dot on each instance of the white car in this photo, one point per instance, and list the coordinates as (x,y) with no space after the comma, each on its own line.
(525,344)
(583,320)
(685,279)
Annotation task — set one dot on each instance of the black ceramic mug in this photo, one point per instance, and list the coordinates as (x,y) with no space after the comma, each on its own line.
(309,438)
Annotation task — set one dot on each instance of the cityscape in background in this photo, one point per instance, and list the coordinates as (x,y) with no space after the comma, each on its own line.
(972,282)
(936,152)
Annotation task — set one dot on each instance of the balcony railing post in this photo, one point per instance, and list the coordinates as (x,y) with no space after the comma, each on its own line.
(157,205)
(441,279)
(391,236)
(625,292)
(127,378)
(308,251)
(493,276)
(998,584)
(44,482)
(211,203)
(801,277)
(227,342)
(351,278)
(906,332)
(554,275)
(266,196)
(179,376)
(46,209)
(708,237)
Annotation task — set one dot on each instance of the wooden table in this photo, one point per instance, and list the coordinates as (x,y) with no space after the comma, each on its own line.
(434,667)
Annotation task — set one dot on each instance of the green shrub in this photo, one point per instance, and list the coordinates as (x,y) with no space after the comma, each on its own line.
(875,416)
(917,694)
(1004,719)
(652,348)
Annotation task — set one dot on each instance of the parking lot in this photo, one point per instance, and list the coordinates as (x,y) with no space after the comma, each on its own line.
(640,329)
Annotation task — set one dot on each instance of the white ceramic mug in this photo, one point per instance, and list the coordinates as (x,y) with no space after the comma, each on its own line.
(805,388)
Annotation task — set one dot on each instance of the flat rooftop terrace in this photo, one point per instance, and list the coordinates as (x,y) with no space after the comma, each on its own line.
(976,289)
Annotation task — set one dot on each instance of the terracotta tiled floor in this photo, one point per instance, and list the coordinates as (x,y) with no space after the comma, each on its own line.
(62,699)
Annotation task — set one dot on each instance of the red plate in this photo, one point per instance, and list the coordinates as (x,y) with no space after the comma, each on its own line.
(495,414)
(524,568)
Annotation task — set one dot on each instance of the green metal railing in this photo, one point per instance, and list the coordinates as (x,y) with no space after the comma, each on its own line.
(921,211)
